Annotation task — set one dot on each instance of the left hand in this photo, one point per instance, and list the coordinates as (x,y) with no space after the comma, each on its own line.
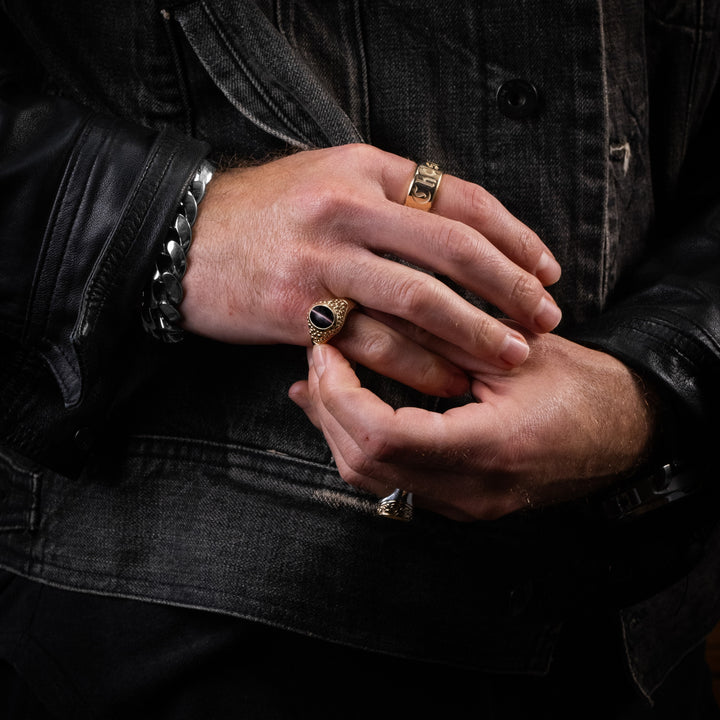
(566,422)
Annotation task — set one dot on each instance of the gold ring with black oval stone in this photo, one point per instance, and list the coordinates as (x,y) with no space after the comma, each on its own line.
(326,318)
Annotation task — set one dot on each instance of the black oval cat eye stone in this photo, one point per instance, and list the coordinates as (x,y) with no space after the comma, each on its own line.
(322,317)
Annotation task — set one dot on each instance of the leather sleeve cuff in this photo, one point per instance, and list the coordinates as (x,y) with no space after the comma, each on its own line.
(87,202)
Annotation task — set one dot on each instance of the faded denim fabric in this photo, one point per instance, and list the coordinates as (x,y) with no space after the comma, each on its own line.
(207,487)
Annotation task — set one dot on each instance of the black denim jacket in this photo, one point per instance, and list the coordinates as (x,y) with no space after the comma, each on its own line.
(183,474)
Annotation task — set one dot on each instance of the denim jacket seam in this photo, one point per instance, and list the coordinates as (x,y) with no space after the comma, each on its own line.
(251,76)
(233,447)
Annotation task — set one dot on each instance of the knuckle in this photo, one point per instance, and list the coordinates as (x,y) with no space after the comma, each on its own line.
(316,205)
(352,477)
(525,288)
(481,331)
(353,467)
(327,204)
(355,153)
(324,204)
(481,203)
(355,159)
(376,447)
(411,294)
(528,248)
(431,374)
(379,348)
(457,245)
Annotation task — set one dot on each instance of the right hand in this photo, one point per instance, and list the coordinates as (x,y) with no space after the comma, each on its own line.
(271,240)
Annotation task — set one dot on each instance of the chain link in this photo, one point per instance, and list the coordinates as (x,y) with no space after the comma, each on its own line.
(164,293)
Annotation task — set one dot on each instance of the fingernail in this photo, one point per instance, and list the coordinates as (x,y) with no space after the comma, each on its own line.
(319,359)
(514,350)
(548,270)
(547,315)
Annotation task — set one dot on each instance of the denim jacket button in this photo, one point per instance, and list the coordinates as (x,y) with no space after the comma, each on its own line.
(518,99)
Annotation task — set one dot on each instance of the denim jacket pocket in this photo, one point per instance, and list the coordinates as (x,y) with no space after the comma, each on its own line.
(261,75)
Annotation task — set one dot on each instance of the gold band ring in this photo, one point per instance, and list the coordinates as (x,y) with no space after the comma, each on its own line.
(326,318)
(424,186)
(396,506)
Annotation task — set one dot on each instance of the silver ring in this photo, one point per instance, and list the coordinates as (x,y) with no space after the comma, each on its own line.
(398,505)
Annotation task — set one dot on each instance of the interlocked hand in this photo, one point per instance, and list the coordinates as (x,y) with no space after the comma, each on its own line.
(273,239)
(566,422)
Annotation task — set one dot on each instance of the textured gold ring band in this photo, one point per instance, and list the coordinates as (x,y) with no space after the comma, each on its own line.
(424,186)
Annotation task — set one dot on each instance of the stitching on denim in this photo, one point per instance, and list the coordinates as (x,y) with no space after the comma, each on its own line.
(698,37)
(362,60)
(280,18)
(605,260)
(233,447)
(632,666)
(251,76)
(151,594)
(9,461)
(180,73)
(150,586)
(33,479)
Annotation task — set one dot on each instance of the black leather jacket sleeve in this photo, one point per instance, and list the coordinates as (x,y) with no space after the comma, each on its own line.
(84,203)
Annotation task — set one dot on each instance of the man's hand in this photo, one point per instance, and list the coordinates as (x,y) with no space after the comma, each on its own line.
(273,239)
(566,422)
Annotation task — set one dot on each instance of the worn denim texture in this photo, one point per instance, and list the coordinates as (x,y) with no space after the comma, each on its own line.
(206,487)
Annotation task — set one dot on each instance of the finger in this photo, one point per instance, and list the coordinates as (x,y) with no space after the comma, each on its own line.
(475,207)
(417,297)
(394,355)
(438,490)
(460,252)
(305,394)
(382,433)
(354,467)
(461,437)
(432,455)
(299,393)
(470,364)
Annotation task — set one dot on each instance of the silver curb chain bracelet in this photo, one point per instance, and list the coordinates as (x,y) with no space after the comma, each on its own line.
(162,296)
